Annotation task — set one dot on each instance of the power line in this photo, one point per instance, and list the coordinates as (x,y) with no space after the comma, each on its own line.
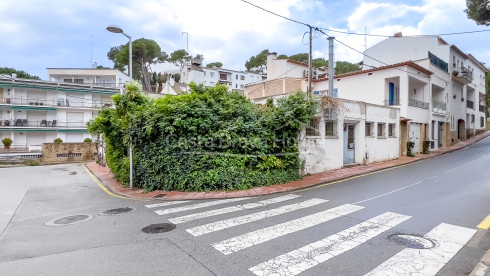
(271,12)
(375,35)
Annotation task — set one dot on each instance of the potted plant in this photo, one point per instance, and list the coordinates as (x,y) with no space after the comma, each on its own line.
(58,141)
(7,123)
(7,100)
(7,142)
(87,140)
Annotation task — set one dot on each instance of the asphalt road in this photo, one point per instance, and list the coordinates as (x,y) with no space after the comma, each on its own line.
(346,228)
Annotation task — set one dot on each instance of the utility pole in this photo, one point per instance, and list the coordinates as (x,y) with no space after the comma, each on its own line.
(309,64)
(330,65)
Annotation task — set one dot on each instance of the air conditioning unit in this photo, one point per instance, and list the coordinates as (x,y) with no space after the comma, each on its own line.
(313,75)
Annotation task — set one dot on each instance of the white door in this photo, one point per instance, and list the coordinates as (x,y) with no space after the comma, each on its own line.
(75,119)
(415,136)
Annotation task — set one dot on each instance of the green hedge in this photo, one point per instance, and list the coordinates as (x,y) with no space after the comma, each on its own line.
(207,139)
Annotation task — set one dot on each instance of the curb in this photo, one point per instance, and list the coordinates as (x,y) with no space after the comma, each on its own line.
(482,267)
(326,178)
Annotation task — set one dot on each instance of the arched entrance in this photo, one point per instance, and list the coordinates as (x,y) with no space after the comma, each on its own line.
(461,130)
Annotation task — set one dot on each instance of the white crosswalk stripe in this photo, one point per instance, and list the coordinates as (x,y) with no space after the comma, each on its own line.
(231,209)
(220,225)
(450,240)
(318,252)
(166,204)
(199,205)
(266,234)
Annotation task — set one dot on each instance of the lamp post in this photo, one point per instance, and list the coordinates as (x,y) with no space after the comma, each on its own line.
(187,36)
(118,30)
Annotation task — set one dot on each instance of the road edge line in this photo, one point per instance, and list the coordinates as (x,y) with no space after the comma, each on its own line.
(104,188)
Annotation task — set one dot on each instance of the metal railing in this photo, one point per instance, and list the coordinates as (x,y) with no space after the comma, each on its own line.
(419,104)
(392,102)
(438,107)
(42,123)
(469,104)
(106,84)
(59,102)
(482,108)
(461,71)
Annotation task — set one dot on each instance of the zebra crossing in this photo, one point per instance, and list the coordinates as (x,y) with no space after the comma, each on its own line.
(450,238)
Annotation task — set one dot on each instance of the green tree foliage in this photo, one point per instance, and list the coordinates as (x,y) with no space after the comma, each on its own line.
(282,57)
(207,139)
(258,63)
(216,64)
(479,11)
(179,58)
(345,67)
(303,57)
(145,53)
(319,62)
(20,74)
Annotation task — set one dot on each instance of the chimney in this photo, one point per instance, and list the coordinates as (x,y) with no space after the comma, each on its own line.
(14,75)
(398,34)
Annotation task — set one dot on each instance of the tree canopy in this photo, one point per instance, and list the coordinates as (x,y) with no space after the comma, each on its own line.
(479,11)
(20,74)
(258,63)
(216,64)
(179,58)
(145,53)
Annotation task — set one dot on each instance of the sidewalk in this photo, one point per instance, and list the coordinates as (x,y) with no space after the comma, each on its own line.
(104,174)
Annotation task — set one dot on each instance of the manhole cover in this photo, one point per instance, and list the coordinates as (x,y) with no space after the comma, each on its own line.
(68,220)
(413,241)
(159,228)
(116,211)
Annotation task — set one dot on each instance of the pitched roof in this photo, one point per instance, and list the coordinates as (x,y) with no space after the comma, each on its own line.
(405,63)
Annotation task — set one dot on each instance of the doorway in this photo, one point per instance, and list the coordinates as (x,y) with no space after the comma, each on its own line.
(349,144)
(439,135)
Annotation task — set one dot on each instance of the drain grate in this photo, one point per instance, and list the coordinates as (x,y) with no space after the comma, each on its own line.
(159,228)
(68,220)
(117,211)
(413,241)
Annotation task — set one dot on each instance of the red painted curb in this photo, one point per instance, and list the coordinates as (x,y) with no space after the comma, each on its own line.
(105,175)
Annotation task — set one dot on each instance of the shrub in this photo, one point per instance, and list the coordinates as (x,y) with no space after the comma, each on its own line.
(87,140)
(207,139)
(58,141)
(410,146)
(31,162)
(7,142)
(426,147)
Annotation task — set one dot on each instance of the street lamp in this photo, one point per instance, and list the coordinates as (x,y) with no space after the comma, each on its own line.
(118,30)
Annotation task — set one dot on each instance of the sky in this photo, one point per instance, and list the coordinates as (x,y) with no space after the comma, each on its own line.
(72,34)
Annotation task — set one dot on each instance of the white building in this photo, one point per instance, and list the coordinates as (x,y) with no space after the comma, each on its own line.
(89,76)
(456,87)
(33,112)
(235,80)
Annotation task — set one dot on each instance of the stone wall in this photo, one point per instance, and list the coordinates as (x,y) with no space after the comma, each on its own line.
(404,130)
(68,152)
(274,88)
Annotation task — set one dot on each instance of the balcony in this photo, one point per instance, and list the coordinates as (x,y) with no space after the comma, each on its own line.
(438,107)
(462,75)
(391,102)
(59,102)
(26,123)
(482,108)
(419,104)
(469,104)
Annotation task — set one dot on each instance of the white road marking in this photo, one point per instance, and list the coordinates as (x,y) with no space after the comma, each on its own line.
(462,166)
(224,224)
(200,205)
(165,204)
(230,209)
(432,177)
(266,234)
(449,238)
(304,258)
(385,194)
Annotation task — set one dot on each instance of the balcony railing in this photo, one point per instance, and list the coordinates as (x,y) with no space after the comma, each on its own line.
(469,104)
(42,123)
(438,107)
(57,102)
(419,104)
(392,102)
(482,108)
(107,84)
(460,72)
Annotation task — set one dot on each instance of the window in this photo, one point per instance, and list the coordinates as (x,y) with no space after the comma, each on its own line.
(242,86)
(472,118)
(369,129)
(391,130)
(211,74)
(212,83)
(312,127)
(432,130)
(381,130)
(236,76)
(482,121)
(242,77)
(236,85)
(330,127)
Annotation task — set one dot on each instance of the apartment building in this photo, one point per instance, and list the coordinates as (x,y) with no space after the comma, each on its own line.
(235,80)
(89,76)
(33,112)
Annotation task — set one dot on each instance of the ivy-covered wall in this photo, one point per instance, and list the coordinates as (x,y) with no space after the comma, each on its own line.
(207,139)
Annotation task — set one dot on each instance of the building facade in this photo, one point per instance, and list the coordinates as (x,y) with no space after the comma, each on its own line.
(33,112)
(89,76)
